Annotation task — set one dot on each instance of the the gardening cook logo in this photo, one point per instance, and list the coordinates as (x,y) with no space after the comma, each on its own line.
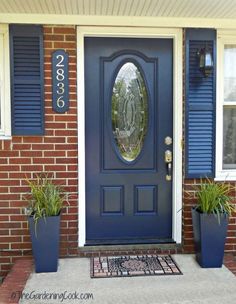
(53,296)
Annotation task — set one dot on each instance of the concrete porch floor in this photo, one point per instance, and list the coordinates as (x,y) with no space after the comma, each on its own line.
(196,285)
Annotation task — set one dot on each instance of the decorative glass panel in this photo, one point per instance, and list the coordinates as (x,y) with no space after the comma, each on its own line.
(230,73)
(129,111)
(229,135)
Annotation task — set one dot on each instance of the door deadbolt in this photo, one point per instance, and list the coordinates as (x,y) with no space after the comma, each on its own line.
(168,140)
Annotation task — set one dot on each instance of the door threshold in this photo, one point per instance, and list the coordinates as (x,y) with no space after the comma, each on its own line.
(110,242)
(131,247)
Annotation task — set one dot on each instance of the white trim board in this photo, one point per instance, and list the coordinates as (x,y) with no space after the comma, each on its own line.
(176,34)
(132,21)
(5,131)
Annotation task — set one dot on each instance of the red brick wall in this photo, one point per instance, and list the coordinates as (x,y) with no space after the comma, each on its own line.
(55,152)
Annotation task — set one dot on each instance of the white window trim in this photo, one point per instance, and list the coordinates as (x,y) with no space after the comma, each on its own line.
(223,37)
(5,131)
(176,34)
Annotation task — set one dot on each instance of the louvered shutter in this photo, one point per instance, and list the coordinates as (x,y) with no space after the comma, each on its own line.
(200,106)
(27,79)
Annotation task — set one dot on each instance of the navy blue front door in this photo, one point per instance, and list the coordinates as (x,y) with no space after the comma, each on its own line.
(128,90)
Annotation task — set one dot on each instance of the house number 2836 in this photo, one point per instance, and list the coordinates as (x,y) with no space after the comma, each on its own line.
(60,91)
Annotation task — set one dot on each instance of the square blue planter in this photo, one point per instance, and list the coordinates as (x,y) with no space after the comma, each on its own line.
(45,243)
(209,238)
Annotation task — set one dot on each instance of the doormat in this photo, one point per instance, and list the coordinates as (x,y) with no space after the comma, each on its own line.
(133,265)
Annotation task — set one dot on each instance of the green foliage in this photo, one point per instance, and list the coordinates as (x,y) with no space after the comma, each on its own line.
(45,199)
(215,198)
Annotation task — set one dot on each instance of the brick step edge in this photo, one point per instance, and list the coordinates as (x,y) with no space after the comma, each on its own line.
(15,281)
(230,262)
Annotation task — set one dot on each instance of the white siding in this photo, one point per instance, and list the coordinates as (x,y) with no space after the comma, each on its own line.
(145,8)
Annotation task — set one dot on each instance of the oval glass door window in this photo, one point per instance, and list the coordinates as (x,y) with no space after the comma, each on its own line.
(129,111)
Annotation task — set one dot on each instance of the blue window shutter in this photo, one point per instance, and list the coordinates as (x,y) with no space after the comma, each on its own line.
(200,95)
(27,79)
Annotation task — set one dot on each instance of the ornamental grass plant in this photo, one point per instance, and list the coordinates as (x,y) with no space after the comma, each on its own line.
(214,198)
(45,198)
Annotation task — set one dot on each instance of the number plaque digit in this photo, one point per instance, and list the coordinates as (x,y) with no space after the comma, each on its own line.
(60,84)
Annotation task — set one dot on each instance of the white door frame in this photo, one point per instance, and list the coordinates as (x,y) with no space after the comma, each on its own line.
(135,32)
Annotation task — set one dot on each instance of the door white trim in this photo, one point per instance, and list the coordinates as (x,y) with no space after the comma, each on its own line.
(138,32)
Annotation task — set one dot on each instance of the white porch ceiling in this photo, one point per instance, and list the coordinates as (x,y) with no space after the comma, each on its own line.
(219,9)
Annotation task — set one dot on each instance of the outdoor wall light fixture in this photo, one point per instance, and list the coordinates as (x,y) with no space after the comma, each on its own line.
(205,61)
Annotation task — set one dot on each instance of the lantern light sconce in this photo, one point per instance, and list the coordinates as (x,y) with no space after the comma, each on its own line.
(205,61)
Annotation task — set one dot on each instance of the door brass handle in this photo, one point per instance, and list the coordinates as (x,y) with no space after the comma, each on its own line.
(168,156)
(168,161)
(169,169)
